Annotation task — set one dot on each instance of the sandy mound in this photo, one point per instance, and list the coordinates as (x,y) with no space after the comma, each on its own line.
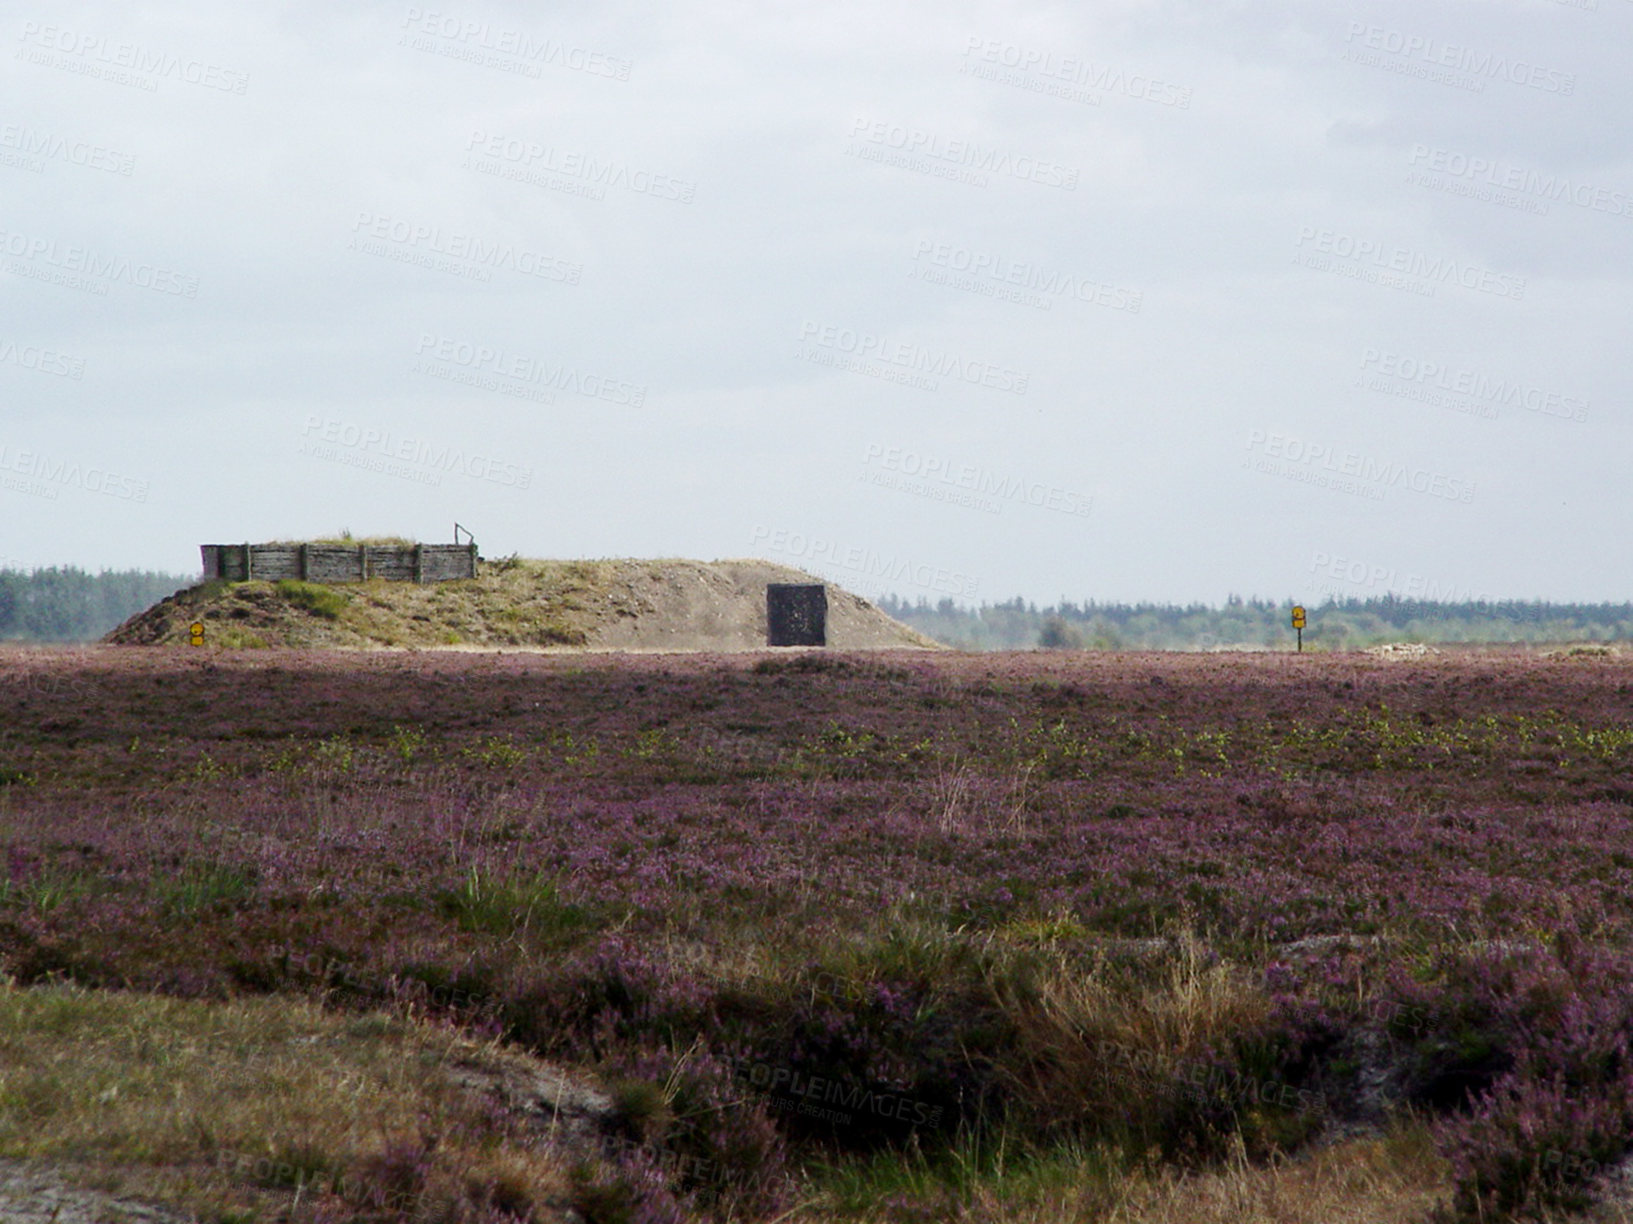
(1401,650)
(516,604)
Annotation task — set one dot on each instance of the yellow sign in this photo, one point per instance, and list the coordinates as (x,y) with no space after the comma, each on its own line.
(196,630)
(1298,616)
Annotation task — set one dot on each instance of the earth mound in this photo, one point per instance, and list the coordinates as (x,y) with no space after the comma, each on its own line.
(1401,650)
(512,603)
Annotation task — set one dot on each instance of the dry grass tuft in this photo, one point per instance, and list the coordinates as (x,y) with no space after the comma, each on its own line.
(1114,1036)
(1397,1178)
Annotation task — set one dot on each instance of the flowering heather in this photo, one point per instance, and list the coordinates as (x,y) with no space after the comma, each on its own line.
(890,901)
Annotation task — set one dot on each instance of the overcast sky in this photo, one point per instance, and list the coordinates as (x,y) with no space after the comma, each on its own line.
(1140,299)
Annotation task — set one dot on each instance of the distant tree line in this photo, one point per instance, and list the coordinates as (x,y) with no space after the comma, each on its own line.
(65,604)
(1347,624)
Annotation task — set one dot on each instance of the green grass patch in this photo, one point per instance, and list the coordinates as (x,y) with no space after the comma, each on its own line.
(312,597)
(201,887)
(495,752)
(975,1171)
(497,905)
(49,890)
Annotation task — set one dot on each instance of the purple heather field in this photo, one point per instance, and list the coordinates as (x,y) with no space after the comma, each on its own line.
(866,870)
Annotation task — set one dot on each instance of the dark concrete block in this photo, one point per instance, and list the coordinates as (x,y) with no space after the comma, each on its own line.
(796,614)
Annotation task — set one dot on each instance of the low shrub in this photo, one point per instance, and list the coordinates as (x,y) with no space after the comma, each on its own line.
(1545,1131)
(718,1143)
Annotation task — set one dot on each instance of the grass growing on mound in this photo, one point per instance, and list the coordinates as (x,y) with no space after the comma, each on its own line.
(346,540)
(317,599)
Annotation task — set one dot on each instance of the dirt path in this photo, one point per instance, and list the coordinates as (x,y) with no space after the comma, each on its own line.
(37,1194)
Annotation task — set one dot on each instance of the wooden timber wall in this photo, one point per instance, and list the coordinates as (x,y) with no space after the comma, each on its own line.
(339,563)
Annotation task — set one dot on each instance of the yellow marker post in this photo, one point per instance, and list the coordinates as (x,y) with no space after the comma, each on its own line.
(196,632)
(1298,624)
